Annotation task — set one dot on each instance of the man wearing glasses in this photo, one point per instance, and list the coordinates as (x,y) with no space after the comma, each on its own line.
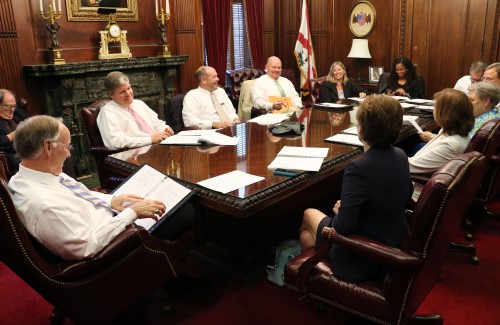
(10,116)
(475,75)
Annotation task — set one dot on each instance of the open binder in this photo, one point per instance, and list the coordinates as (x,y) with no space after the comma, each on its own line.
(152,184)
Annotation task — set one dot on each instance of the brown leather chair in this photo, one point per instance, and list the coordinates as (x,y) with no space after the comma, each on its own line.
(4,167)
(108,180)
(415,266)
(236,77)
(173,114)
(315,89)
(95,290)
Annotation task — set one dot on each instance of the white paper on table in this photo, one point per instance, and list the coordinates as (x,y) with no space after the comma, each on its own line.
(421,101)
(310,152)
(357,99)
(268,119)
(230,181)
(312,164)
(196,132)
(407,105)
(399,98)
(411,119)
(425,108)
(349,139)
(351,130)
(331,105)
(196,137)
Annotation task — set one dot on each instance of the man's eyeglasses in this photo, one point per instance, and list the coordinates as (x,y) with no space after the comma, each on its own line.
(9,107)
(67,146)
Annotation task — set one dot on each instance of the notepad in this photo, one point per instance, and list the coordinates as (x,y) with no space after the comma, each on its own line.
(152,184)
(199,137)
(299,158)
(344,138)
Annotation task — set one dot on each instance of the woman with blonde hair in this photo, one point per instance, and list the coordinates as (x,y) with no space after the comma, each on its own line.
(338,86)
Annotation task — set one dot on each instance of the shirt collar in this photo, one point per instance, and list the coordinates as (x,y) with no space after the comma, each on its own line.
(41,177)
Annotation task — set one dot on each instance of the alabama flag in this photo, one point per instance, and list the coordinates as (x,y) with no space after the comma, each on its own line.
(304,52)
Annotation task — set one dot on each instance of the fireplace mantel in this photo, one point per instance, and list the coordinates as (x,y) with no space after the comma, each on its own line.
(67,88)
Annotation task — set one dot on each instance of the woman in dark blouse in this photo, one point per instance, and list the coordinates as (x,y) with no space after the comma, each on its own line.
(338,86)
(375,190)
(403,80)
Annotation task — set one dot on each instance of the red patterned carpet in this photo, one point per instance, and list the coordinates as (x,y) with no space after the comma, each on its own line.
(467,294)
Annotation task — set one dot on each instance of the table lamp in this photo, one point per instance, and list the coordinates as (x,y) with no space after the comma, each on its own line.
(359,50)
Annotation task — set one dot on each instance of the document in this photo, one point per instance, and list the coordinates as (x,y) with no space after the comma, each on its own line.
(269,119)
(345,138)
(421,101)
(332,105)
(299,158)
(231,181)
(411,119)
(287,103)
(152,184)
(407,105)
(357,99)
(199,137)
(351,130)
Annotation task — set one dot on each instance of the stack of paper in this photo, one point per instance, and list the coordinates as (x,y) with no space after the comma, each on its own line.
(230,181)
(345,138)
(411,119)
(269,119)
(199,137)
(334,105)
(299,158)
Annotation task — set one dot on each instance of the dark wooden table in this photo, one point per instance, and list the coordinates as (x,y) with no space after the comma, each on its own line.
(237,230)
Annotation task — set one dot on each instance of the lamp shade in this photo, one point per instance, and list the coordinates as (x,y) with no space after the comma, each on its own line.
(359,49)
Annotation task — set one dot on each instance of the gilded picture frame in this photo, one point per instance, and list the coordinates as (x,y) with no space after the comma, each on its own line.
(362,18)
(86,10)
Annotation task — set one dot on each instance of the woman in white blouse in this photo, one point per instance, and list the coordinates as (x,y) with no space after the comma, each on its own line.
(453,113)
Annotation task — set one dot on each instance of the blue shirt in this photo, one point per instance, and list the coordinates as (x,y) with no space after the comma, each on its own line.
(481,119)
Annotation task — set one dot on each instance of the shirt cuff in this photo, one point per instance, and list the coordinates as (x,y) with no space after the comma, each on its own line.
(128,216)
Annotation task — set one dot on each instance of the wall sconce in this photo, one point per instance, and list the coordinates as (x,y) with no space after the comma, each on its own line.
(359,50)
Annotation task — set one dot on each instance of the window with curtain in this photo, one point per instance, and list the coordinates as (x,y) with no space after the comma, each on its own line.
(238,52)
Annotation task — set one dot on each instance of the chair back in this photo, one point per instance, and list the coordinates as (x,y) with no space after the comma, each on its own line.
(236,78)
(245,103)
(382,82)
(89,115)
(487,141)
(435,219)
(315,89)
(131,266)
(4,167)
(173,112)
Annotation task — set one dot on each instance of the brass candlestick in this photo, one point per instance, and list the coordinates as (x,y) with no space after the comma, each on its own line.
(162,17)
(55,52)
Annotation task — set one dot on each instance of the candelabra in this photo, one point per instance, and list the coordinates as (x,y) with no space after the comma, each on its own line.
(162,18)
(55,52)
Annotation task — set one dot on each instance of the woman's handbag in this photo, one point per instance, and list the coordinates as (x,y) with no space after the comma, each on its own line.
(285,252)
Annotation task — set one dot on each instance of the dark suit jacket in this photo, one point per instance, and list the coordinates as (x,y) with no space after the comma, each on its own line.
(375,191)
(6,145)
(329,94)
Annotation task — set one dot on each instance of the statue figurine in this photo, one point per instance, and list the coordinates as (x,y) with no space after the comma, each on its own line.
(163,29)
(53,28)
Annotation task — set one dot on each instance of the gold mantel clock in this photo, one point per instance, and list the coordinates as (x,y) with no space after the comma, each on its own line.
(113,34)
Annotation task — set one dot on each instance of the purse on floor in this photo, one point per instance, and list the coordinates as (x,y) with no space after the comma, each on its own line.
(285,252)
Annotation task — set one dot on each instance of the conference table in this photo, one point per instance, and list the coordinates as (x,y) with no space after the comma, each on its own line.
(238,230)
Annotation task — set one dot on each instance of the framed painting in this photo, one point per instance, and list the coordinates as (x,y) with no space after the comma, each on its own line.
(86,10)
(374,73)
(362,18)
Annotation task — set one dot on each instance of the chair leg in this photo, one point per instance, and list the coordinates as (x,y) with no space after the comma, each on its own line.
(57,318)
(468,249)
(430,319)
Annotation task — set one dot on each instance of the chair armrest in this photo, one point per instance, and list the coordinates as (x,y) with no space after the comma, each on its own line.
(391,256)
(421,178)
(310,262)
(118,248)
(105,151)
(495,159)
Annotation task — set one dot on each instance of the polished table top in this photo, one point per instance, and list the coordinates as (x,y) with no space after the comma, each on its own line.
(255,150)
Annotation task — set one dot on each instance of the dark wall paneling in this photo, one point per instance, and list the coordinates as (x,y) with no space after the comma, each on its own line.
(188,36)
(321,24)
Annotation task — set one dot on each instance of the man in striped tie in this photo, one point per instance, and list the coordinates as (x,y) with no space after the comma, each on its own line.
(125,121)
(61,213)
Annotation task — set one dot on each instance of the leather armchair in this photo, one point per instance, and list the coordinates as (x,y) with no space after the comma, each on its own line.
(173,114)
(414,267)
(235,79)
(314,90)
(108,180)
(91,291)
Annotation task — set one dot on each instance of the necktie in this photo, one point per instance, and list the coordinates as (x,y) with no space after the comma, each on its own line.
(282,92)
(84,194)
(218,107)
(140,121)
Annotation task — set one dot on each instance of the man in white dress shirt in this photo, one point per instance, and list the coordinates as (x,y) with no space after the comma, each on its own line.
(273,84)
(475,75)
(67,224)
(208,106)
(125,121)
